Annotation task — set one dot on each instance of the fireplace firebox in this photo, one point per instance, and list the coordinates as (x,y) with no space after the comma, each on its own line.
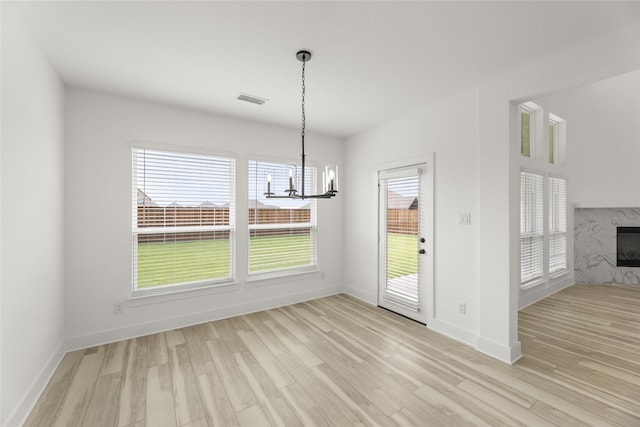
(628,247)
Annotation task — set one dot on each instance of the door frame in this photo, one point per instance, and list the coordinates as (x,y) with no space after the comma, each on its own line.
(427,190)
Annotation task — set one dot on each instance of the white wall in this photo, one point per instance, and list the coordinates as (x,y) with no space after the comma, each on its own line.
(474,138)
(603,135)
(603,153)
(32,221)
(469,134)
(98,216)
(448,129)
(595,60)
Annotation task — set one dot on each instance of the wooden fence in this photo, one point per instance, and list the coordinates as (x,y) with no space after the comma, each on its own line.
(183,237)
(279,216)
(402,221)
(159,216)
(179,216)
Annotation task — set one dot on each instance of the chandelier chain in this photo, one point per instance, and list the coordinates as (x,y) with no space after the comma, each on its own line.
(329,177)
(304,62)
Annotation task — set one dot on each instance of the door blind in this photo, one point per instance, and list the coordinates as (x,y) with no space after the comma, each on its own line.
(402,224)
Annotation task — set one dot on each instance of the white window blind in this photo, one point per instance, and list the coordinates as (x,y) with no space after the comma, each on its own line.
(402,217)
(282,232)
(557,224)
(183,220)
(531,226)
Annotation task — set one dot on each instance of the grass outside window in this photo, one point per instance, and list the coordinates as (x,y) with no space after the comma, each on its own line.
(169,263)
(179,262)
(402,258)
(264,252)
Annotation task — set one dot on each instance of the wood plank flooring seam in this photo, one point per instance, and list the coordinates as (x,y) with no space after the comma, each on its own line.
(338,361)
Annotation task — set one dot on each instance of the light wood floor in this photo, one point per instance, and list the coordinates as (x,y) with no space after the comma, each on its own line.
(337,361)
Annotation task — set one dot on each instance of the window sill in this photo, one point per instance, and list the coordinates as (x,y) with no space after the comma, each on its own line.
(553,277)
(558,274)
(155,296)
(532,284)
(275,277)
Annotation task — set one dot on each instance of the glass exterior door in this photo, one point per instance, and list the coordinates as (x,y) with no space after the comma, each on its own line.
(402,246)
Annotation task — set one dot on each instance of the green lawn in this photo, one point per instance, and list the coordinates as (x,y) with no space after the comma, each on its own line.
(402,255)
(179,262)
(165,263)
(264,252)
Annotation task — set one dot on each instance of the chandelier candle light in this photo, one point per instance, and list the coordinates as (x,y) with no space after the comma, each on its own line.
(330,174)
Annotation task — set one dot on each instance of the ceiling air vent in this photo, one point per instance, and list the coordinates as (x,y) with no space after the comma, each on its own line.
(252,99)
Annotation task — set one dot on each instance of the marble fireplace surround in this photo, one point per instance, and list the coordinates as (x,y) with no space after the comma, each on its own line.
(595,245)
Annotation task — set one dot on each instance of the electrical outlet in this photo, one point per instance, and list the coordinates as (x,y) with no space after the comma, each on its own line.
(462,308)
(118,308)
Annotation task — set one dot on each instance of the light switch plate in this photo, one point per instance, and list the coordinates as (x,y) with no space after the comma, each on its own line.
(464,218)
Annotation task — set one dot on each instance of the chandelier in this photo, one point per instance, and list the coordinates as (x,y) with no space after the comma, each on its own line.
(330,173)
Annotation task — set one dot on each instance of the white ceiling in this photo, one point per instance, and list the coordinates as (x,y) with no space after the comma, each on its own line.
(371,60)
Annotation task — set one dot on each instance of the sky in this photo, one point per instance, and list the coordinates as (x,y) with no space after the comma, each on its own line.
(192,179)
(185,179)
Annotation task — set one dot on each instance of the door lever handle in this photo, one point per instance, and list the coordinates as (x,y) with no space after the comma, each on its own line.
(422,251)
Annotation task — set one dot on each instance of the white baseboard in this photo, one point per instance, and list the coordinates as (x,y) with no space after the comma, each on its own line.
(483,345)
(25,405)
(498,351)
(368,297)
(534,295)
(160,325)
(452,331)
(442,327)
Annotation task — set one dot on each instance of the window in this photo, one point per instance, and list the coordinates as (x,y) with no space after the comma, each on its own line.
(557,224)
(183,220)
(543,197)
(530,115)
(531,226)
(553,132)
(526,116)
(557,150)
(282,232)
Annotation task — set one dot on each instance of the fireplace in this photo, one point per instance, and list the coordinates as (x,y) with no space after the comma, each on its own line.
(628,247)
